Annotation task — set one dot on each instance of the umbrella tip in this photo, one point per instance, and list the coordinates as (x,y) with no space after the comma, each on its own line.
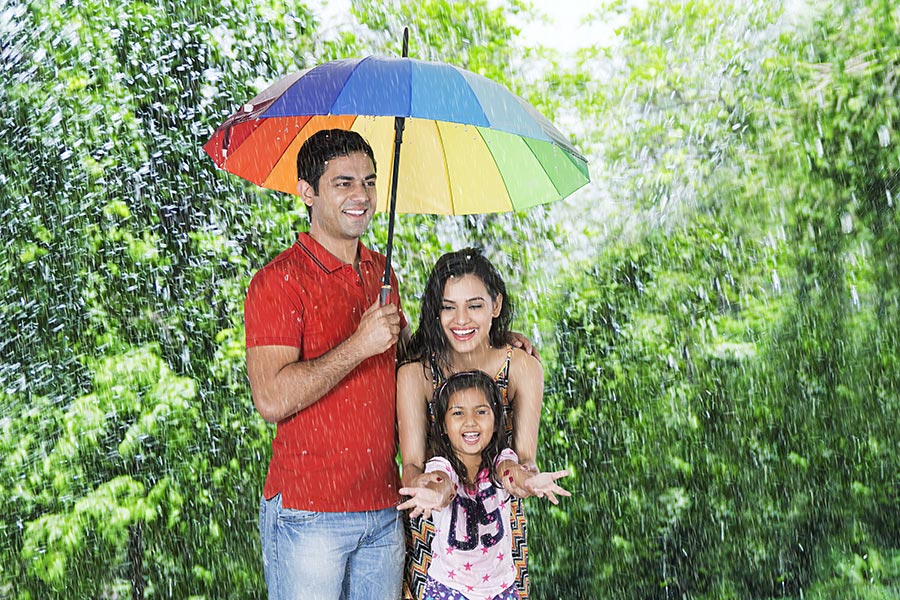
(405,42)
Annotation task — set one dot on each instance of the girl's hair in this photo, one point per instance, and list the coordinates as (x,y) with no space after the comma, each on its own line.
(439,441)
(429,337)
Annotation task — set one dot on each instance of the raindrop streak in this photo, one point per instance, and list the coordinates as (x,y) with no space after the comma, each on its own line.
(717,313)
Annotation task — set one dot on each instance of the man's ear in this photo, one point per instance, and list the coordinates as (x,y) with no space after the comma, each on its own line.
(306,191)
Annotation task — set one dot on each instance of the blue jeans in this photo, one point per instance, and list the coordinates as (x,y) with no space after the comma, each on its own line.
(330,556)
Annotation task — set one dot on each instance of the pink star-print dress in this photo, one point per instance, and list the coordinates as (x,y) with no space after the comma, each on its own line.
(472,545)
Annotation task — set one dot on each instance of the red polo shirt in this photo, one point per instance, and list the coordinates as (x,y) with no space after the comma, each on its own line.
(336,455)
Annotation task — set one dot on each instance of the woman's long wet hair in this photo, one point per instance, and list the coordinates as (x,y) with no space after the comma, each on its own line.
(439,441)
(430,337)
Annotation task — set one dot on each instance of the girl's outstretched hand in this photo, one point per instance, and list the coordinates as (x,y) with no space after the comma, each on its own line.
(423,479)
(422,501)
(513,477)
(543,485)
(430,491)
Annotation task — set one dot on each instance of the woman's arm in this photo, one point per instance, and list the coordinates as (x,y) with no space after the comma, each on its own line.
(526,389)
(413,392)
(526,392)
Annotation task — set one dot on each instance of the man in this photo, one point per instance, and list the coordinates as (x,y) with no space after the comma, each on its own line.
(321,364)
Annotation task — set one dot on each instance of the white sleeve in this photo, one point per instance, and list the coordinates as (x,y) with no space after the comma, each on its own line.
(507,454)
(442,465)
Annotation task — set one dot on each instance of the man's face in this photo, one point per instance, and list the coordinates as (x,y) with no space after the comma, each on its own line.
(346,200)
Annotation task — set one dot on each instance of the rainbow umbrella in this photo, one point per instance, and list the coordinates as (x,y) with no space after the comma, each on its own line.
(469,144)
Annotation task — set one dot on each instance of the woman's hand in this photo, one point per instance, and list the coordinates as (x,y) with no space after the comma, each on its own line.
(543,485)
(513,477)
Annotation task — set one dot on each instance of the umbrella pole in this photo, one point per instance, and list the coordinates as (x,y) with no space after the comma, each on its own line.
(399,125)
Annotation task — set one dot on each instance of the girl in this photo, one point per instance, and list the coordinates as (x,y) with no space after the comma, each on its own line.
(473,546)
(463,326)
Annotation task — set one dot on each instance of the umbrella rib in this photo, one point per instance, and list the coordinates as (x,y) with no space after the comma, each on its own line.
(544,168)
(443,154)
(509,195)
(286,148)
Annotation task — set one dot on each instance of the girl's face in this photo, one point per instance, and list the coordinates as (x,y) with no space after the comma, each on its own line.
(469,422)
(467,312)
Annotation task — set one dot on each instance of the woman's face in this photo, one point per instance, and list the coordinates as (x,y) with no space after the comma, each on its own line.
(467,312)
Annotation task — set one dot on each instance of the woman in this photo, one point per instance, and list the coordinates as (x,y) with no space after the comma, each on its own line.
(464,326)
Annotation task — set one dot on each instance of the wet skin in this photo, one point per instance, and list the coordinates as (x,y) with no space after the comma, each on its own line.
(469,423)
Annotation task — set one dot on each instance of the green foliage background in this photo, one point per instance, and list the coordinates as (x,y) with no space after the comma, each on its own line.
(721,356)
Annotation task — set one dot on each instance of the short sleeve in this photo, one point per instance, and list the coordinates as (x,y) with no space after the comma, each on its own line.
(507,454)
(442,465)
(272,315)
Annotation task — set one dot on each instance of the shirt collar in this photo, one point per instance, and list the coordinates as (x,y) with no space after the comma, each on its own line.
(326,260)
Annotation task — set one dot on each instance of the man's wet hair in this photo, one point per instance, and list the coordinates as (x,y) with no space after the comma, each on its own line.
(325,145)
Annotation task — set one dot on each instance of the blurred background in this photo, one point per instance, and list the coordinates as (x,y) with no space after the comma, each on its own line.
(717,312)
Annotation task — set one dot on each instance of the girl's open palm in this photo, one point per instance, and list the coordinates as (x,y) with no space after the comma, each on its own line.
(543,485)
(422,501)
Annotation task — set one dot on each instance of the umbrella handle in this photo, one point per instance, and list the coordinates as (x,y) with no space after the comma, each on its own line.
(384,295)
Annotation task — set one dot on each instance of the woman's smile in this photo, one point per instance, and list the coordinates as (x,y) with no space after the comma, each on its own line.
(467,313)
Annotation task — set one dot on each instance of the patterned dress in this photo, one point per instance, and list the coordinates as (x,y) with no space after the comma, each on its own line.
(420,531)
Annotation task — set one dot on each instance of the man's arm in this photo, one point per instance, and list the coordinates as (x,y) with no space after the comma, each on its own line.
(282,384)
(518,340)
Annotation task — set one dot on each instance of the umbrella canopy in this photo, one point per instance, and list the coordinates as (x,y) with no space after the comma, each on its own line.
(470,145)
